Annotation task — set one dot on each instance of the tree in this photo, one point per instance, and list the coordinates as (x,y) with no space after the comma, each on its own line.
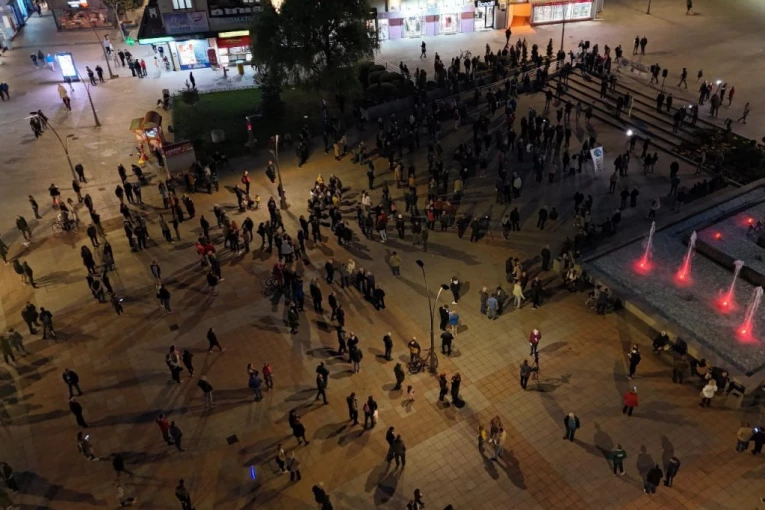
(120,7)
(314,40)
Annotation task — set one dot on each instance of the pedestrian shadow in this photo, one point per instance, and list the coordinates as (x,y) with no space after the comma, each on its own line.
(329,431)
(39,418)
(512,468)
(386,488)
(33,484)
(644,462)
(300,395)
(490,466)
(375,476)
(668,451)
(321,352)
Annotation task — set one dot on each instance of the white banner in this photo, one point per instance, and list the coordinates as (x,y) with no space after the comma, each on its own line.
(597,158)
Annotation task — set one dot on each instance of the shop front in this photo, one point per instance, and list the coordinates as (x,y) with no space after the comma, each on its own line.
(234,48)
(79,14)
(8,25)
(192,53)
(421,18)
(544,11)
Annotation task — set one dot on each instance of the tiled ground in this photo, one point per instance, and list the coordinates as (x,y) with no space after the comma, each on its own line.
(121,364)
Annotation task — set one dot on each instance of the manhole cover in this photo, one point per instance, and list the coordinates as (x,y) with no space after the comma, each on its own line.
(232,439)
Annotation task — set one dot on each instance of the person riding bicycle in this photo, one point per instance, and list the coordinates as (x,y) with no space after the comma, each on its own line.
(63,219)
(278,274)
(414,350)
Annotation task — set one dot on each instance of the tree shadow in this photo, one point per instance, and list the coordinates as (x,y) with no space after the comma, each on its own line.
(32,483)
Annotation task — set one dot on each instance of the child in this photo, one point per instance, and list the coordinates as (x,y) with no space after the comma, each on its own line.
(410,395)
(482,435)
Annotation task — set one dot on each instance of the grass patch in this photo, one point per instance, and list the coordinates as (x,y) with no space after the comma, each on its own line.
(227,111)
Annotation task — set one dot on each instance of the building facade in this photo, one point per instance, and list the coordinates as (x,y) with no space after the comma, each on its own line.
(201,33)
(81,14)
(13,15)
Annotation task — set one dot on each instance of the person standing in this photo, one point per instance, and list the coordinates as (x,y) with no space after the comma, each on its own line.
(399,452)
(672,468)
(525,373)
(76,409)
(6,472)
(617,457)
(680,367)
(743,436)
(5,346)
(707,393)
(164,297)
(398,371)
(255,383)
(281,459)
(183,496)
(455,286)
(534,338)
(446,343)
(207,390)
(293,465)
(388,343)
(652,480)
(499,443)
(630,401)
(571,422)
(634,360)
(268,376)
(72,380)
(17,342)
(395,264)
(370,410)
(353,408)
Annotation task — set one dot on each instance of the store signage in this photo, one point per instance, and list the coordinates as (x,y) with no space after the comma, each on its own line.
(485,4)
(173,149)
(557,12)
(235,33)
(186,22)
(66,64)
(232,8)
(77,4)
(129,41)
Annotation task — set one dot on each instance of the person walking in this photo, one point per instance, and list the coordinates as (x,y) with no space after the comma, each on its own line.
(17,342)
(747,110)
(164,427)
(634,360)
(72,380)
(652,480)
(164,297)
(207,390)
(188,361)
(370,412)
(182,494)
(630,401)
(118,463)
(84,447)
(571,423)
(212,341)
(76,409)
(617,457)
(321,389)
(5,346)
(176,435)
(672,468)
(680,367)
(525,373)
(454,286)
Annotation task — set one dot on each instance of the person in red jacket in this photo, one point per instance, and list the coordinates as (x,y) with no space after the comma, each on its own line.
(630,401)
(534,337)
(164,426)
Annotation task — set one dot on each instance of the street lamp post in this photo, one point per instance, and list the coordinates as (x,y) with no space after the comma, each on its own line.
(431,309)
(106,56)
(282,194)
(64,143)
(563,26)
(649,7)
(90,99)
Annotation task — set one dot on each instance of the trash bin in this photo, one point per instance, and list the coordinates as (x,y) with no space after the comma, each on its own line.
(240,69)
(218,136)
(734,399)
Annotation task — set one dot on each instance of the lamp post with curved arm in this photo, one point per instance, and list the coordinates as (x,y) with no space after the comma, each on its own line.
(432,309)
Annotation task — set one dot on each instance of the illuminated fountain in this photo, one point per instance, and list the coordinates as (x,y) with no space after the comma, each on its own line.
(751,312)
(727,300)
(645,262)
(684,274)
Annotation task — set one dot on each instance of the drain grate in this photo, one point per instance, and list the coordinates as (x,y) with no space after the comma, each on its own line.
(232,439)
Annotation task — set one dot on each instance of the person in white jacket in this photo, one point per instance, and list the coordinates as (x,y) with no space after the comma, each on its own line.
(707,393)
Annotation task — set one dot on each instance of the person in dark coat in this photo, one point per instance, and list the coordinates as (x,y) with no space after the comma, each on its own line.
(672,468)
(652,480)
(76,410)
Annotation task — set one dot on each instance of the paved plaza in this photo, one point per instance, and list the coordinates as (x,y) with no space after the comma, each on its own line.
(120,359)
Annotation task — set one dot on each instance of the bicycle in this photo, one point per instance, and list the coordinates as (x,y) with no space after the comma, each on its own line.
(271,286)
(420,363)
(58,227)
